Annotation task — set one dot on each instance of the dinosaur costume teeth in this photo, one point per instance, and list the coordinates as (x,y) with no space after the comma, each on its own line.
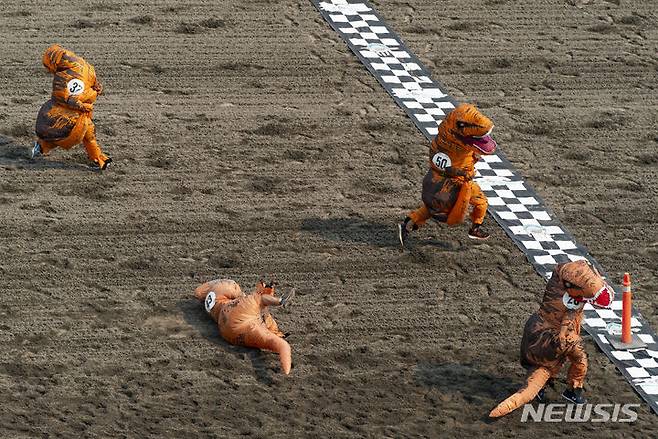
(65,120)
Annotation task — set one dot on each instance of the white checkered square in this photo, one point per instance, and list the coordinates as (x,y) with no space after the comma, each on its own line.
(637,372)
(647,362)
(650,388)
(622,355)
(596,322)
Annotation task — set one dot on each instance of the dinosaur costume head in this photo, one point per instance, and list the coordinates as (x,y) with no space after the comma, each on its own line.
(470,129)
(583,282)
(266,288)
(57,58)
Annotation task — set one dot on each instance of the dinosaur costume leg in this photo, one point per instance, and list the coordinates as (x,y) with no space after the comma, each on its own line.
(460,206)
(58,127)
(420,215)
(226,287)
(439,195)
(91,146)
(479,202)
(67,143)
(577,367)
(46,146)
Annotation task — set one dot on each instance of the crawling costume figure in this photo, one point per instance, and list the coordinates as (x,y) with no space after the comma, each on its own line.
(448,187)
(552,335)
(244,320)
(65,120)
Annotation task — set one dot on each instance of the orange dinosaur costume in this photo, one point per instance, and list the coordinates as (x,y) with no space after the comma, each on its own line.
(244,320)
(448,186)
(552,335)
(65,120)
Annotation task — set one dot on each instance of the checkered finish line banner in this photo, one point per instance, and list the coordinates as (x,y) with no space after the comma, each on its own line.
(515,206)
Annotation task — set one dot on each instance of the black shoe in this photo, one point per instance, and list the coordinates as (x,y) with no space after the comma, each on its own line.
(106,164)
(403,233)
(575,395)
(541,395)
(476,232)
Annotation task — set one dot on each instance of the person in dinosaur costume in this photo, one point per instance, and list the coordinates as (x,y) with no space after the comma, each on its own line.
(448,187)
(552,334)
(65,119)
(244,319)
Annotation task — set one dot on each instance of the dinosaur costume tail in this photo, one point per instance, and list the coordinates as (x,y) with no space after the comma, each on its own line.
(534,383)
(459,210)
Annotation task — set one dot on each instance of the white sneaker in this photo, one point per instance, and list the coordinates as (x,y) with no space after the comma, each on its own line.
(286,298)
(36,150)
(403,234)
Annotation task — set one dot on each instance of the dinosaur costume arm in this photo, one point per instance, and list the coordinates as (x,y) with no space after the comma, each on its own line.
(97,86)
(569,333)
(72,102)
(453,172)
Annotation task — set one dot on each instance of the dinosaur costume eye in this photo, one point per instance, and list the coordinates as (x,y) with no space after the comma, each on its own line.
(572,286)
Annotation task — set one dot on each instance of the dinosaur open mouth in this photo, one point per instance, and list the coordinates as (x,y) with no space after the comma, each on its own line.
(485,143)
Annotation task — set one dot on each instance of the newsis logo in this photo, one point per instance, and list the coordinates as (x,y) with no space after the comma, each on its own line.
(580,412)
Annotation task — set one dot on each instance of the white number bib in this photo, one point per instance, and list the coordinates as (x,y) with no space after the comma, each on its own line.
(441,160)
(210,301)
(570,302)
(75,87)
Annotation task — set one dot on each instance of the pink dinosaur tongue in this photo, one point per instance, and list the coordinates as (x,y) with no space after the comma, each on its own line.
(486,144)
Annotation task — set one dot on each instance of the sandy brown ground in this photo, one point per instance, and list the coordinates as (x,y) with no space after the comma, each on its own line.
(247,139)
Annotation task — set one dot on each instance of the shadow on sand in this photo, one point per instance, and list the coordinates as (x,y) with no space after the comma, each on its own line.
(353,230)
(475,386)
(363,231)
(15,154)
(194,314)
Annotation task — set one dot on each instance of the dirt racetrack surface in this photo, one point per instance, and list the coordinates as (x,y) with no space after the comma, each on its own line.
(248,140)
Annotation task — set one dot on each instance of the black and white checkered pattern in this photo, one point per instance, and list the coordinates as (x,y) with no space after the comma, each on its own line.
(513,204)
(523,215)
(397,69)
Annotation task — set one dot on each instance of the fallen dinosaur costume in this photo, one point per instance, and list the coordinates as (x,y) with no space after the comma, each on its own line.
(65,120)
(552,335)
(244,320)
(448,186)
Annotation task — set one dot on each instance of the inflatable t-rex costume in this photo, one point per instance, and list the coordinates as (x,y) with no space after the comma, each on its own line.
(448,186)
(552,335)
(244,320)
(65,120)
